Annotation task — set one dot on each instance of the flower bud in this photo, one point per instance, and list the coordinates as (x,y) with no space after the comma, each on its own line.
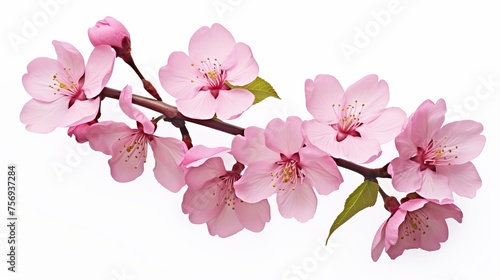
(111,32)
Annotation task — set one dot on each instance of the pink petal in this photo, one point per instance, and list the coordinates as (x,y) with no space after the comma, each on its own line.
(322,136)
(404,145)
(128,157)
(406,175)
(359,149)
(169,153)
(241,66)
(371,92)
(443,211)
(70,58)
(98,70)
(436,232)
(252,147)
(320,170)
(180,77)
(81,111)
(256,184)
(284,137)
(321,95)
(435,186)
(215,42)
(231,103)
(40,75)
(385,127)
(198,154)
(225,224)
(202,204)
(463,138)
(253,216)
(426,121)
(202,106)
(43,117)
(378,242)
(392,228)
(197,177)
(125,102)
(413,204)
(463,179)
(299,203)
(102,136)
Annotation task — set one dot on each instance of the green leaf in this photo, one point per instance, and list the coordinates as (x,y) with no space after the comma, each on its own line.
(260,89)
(364,196)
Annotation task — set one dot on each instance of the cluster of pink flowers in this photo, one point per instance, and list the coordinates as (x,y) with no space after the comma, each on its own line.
(295,159)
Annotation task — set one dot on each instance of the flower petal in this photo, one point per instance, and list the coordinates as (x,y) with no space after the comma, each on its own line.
(81,111)
(378,242)
(321,94)
(463,179)
(385,127)
(320,170)
(322,136)
(125,102)
(202,204)
(181,77)
(128,157)
(284,137)
(98,70)
(198,154)
(43,117)
(253,216)
(426,121)
(202,106)
(241,66)
(369,92)
(406,175)
(231,103)
(197,177)
(256,184)
(299,203)
(225,224)
(169,153)
(359,149)
(463,139)
(252,147)
(39,81)
(211,42)
(103,135)
(70,58)
(435,186)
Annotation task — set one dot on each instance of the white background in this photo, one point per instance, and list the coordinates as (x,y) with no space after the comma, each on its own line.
(80,224)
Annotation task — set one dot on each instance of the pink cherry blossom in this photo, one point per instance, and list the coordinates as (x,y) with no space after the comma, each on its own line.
(129,147)
(64,90)
(199,80)
(434,161)
(416,223)
(211,199)
(352,123)
(279,162)
(111,32)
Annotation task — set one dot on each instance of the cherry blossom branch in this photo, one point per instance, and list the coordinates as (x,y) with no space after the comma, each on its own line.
(173,115)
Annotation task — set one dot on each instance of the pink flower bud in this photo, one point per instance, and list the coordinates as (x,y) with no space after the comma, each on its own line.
(111,32)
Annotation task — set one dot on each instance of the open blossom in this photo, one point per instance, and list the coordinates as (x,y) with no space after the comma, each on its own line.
(198,80)
(211,199)
(279,162)
(434,161)
(64,90)
(416,223)
(351,123)
(129,147)
(111,32)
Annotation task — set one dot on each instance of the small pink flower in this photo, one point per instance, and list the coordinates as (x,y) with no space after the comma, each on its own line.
(434,161)
(128,147)
(64,91)
(111,32)
(351,123)
(279,162)
(198,80)
(416,223)
(211,199)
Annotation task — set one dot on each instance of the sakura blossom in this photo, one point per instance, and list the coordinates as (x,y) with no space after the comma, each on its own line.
(279,162)
(199,80)
(128,147)
(434,160)
(353,123)
(415,223)
(211,198)
(64,90)
(111,32)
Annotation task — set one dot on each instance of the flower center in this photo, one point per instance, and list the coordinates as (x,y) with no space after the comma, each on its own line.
(135,148)
(436,153)
(287,173)
(226,193)
(67,86)
(415,223)
(213,76)
(348,120)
